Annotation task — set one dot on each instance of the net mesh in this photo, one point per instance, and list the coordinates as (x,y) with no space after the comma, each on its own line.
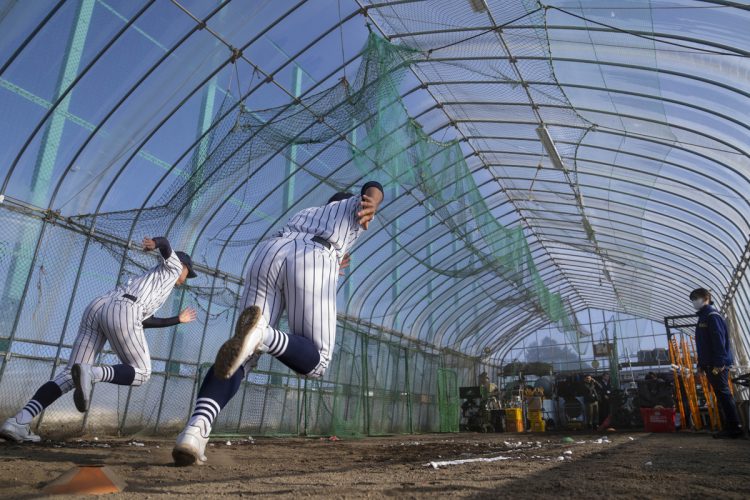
(367,122)
(481,241)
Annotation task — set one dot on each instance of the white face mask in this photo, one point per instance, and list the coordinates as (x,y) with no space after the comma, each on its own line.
(698,304)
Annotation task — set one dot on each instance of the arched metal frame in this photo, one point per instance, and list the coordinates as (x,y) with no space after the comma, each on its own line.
(575,274)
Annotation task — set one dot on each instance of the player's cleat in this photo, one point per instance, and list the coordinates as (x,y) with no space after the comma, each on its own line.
(82,381)
(190,447)
(20,433)
(247,340)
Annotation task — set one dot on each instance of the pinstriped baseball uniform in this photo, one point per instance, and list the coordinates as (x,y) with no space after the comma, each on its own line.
(117,318)
(295,272)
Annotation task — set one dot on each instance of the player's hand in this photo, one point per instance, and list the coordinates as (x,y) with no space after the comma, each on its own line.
(368,207)
(187,315)
(148,244)
(345,261)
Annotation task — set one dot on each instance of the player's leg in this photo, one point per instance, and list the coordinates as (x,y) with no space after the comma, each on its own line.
(310,291)
(87,345)
(262,303)
(120,323)
(213,395)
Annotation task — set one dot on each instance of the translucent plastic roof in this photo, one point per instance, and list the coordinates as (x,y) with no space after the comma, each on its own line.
(213,122)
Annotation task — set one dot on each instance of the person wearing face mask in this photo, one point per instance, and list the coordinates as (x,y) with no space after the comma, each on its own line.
(715,358)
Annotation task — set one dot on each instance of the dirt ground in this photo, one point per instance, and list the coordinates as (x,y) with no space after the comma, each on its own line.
(632,465)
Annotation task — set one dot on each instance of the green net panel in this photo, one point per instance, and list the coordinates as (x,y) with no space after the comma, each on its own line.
(449,403)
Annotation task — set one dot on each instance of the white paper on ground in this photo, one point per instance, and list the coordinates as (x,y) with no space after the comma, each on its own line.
(436,465)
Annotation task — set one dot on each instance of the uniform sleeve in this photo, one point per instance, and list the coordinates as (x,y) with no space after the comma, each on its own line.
(162,244)
(152,322)
(352,207)
(173,264)
(719,338)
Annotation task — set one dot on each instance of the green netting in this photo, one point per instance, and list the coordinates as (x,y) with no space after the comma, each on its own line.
(449,402)
(369,119)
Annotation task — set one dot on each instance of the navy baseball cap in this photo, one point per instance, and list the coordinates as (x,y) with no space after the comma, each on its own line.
(341,195)
(188,262)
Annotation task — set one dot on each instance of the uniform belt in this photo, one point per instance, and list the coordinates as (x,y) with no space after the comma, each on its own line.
(322,241)
(130,297)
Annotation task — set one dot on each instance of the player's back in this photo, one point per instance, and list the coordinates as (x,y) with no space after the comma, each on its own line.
(335,222)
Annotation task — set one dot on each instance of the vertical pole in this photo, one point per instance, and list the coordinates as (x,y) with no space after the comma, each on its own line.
(408,390)
(291,164)
(677,389)
(614,369)
(288,200)
(395,275)
(365,382)
(22,264)
(606,332)
(299,408)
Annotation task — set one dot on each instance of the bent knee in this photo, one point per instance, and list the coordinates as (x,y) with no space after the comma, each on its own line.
(141,376)
(64,380)
(319,370)
(315,374)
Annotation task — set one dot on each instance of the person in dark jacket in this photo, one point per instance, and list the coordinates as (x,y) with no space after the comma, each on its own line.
(606,392)
(715,358)
(591,398)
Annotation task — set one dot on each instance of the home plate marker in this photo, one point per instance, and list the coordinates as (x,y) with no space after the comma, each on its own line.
(86,480)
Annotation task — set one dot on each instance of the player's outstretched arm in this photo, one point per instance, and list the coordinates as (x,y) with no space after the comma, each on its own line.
(186,316)
(159,242)
(372,197)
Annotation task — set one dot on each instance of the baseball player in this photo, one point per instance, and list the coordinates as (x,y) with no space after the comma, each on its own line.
(298,270)
(120,317)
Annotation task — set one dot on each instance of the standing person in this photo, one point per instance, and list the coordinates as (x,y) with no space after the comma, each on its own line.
(715,358)
(606,392)
(591,401)
(119,317)
(298,270)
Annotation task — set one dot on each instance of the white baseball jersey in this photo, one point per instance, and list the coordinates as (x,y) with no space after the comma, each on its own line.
(153,288)
(294,272)
(335,222)
(119,319)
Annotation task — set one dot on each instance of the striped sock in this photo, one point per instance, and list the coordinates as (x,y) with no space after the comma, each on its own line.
(276,342)
(115,374)
(205,412)
(44,396)
(214,395)
(28,412)
(100,374)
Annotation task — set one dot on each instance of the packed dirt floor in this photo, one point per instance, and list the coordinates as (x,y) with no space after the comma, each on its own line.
(628,465)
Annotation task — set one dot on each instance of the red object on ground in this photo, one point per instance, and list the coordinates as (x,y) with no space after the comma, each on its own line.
(606,424)
(658,419)
(85,480)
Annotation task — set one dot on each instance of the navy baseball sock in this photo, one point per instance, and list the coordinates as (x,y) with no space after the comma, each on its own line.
(44,396)
(214,395)
(114,374)
(295,351)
